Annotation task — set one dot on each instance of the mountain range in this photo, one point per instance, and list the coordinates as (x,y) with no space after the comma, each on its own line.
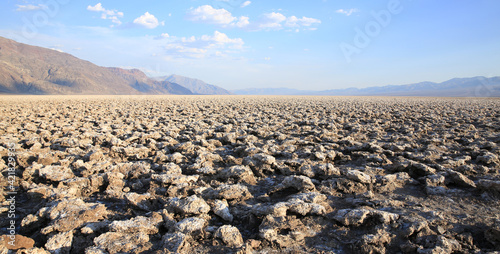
(194,85)
(457,87)
(26,69)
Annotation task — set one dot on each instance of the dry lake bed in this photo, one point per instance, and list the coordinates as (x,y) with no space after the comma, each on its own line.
(249,174)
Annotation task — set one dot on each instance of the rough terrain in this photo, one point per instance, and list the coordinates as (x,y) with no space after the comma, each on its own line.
(235,174)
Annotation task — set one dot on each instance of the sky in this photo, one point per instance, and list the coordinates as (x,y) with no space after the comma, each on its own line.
(237,44)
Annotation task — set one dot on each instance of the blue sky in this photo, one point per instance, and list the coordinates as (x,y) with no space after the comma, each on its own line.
(315,44)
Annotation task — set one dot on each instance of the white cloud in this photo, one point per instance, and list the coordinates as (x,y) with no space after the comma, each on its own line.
(162,36)
(272,21)
(189,39)
(292,21)
(348,12)
(304,21)
(210,15)
(276,21)
(221,39)
(148,21)
(267,58)
(112,15)
(245,4)
(30,7)
(216,45)
(268,21)
(242,22)
(98,7)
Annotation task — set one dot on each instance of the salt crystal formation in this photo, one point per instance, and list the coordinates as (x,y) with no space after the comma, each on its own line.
(235,174)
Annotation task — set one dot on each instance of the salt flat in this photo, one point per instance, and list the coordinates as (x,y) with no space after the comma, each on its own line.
(253,174)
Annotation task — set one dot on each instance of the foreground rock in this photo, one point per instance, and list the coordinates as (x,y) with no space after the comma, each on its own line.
(115,242)
(230,236)
(66,215)
(16,242)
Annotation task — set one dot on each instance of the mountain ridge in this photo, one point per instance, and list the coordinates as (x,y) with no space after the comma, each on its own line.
(142,83)
(27,69)
(196,86)
(457,87)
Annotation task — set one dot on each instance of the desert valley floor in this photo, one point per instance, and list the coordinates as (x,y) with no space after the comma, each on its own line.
(249,174)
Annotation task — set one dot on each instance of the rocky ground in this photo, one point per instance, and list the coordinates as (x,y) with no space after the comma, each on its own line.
(207,174)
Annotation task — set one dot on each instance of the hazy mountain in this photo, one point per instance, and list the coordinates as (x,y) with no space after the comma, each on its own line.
(196,86)
(26,69)
(457,87)
(142,83)
(271,91)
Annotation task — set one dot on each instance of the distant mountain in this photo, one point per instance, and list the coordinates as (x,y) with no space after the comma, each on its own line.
(26,69)
(196,86)
(457,87)
(142,83)
(272,91)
